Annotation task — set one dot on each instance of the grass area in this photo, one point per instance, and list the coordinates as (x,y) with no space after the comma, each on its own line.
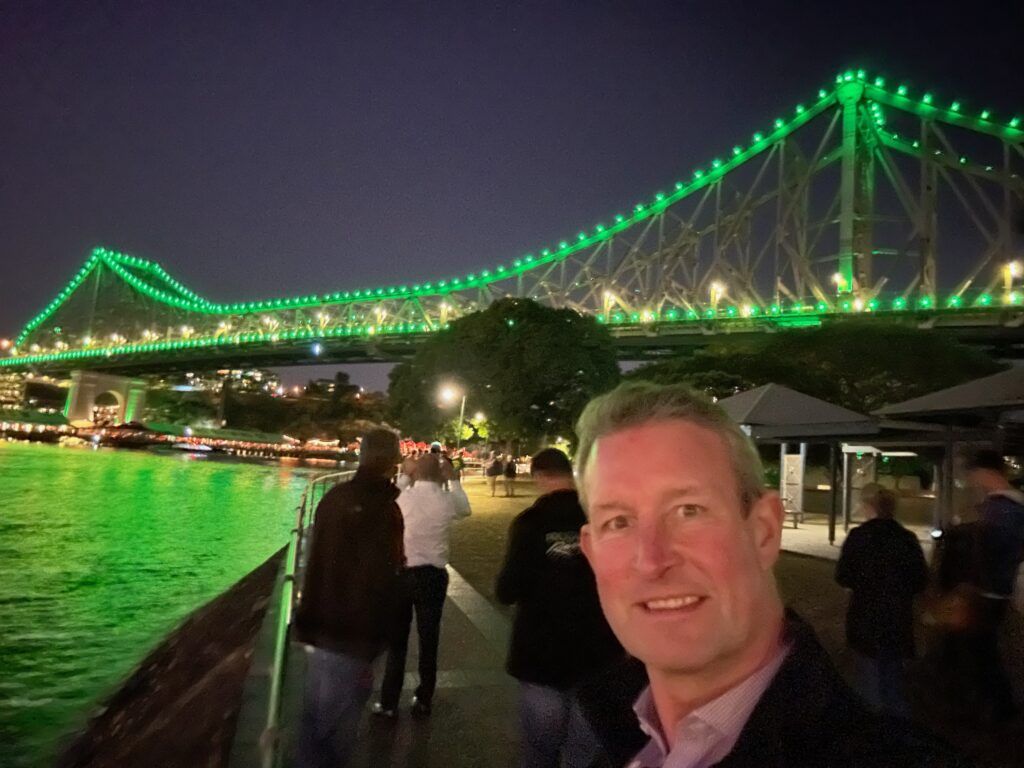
(807,585)
(478,543)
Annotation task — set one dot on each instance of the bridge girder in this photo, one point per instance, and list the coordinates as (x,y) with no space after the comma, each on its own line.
(831,211)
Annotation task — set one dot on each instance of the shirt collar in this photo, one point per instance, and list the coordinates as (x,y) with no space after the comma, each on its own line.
(719,721)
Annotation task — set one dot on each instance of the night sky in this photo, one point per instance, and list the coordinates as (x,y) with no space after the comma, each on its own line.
(259,150)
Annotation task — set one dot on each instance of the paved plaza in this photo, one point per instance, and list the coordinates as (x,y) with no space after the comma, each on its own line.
(474,719)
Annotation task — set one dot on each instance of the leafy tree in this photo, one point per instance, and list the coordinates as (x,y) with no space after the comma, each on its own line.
(529,368)
(173,407)
(861,365)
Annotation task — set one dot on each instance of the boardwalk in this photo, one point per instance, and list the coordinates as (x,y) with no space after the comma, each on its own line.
(474,719)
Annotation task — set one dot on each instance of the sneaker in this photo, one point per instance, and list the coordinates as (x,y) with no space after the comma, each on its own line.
(379,710)
(420,708)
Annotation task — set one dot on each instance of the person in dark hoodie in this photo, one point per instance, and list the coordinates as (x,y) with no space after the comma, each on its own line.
(999,549)
(883,566)
(683,536)
(347,600)
(559,635)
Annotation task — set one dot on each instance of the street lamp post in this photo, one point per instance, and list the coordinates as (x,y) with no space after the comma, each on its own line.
(458,432)
(448,394)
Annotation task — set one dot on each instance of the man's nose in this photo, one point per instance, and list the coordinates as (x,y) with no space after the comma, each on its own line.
(654,552)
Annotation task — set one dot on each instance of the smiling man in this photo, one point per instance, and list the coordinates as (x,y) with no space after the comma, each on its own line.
(682,537)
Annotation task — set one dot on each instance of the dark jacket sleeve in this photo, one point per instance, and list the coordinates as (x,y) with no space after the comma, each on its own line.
(846,568)
(513,578)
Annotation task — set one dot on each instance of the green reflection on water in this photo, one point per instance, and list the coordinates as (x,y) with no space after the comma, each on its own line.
(101,553)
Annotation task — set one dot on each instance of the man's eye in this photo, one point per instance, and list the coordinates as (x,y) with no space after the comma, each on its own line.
(687,511)
(617,523)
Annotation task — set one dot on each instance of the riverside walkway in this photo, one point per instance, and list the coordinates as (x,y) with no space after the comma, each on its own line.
(474,720)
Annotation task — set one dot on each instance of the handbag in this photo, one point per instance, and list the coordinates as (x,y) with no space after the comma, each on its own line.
(955,610)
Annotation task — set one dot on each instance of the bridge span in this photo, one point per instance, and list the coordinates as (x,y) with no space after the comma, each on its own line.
(868,199)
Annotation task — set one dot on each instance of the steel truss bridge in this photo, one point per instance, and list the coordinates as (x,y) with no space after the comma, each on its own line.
(869,199)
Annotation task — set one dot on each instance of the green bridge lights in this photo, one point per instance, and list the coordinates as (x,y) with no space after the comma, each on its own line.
(774,314)
(152,281)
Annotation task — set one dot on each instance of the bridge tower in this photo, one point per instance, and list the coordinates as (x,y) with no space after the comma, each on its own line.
(87,386)
(856,196)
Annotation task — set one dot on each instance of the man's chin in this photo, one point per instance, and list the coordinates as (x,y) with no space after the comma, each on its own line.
(670,658)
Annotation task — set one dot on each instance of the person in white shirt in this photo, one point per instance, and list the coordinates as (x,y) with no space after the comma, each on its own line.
(428,511)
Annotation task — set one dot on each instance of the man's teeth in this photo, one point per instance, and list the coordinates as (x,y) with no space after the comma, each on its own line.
(672,603)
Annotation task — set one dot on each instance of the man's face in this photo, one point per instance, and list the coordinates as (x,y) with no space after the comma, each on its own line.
(684,577)
(982,480)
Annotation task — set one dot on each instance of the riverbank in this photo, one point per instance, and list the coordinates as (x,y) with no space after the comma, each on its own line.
(180,706)
(112,550)
(53,428)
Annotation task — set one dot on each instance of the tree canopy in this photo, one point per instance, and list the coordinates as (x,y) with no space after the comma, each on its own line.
(528,368)
(859,365)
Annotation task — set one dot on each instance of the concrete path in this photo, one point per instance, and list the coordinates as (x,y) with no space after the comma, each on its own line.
(473,723)
(811,538)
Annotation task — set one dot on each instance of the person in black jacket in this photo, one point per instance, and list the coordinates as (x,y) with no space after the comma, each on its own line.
(683,537)
(347,600)
(884,567)
(990,554)
(559,635)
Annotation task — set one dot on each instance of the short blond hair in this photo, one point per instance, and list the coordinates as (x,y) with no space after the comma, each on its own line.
(634,403)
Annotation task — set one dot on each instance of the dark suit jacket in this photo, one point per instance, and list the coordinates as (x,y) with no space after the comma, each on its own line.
(808,717)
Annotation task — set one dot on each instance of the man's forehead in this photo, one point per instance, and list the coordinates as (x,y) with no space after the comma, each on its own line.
(671,436)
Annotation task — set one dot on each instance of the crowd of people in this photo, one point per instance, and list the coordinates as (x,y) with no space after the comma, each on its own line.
(649,630)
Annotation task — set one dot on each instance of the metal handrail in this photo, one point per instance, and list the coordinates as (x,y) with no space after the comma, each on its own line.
(269,742)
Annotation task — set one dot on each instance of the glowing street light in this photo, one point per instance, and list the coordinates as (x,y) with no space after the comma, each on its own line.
(718,289)
(1012,270)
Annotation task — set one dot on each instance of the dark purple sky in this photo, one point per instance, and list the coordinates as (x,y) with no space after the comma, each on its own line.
(262,149)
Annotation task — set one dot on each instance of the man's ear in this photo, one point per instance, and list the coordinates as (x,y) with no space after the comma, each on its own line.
(766,518)
(586,543)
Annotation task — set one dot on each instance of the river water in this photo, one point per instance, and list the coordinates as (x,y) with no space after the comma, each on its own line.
(101,554)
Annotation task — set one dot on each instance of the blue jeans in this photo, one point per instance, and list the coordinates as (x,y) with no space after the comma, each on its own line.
(553,724)
(880,682)
(337,688)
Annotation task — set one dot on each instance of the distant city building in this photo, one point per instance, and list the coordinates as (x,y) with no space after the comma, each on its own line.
(321,386)
(241,380)
(12,390)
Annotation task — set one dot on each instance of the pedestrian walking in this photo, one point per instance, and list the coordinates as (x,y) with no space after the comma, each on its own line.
(495,470)
(428,512)
(509,473)
(883,566)
(347,599)
(559,634)
(979,568)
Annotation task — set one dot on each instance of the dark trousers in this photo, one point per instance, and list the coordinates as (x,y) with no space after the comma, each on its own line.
(975,652)
(422,590)
(337,687)
(880,682)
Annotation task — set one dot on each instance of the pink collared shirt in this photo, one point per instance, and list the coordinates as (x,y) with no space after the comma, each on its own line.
(708,734)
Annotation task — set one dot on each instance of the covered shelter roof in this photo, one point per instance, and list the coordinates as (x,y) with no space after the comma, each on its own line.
(774,412)
(984,399)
